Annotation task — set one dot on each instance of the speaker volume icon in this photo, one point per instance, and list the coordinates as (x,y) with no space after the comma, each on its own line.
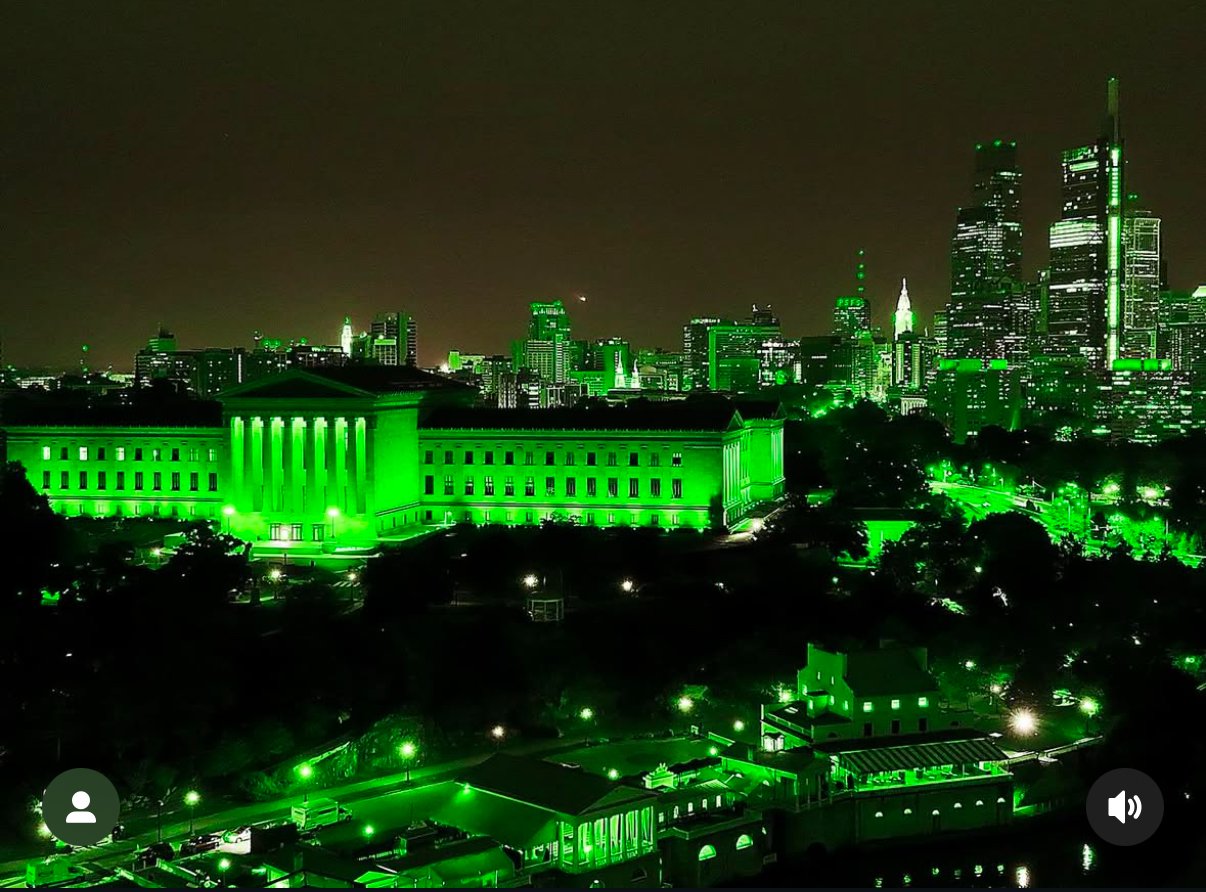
(1121,807)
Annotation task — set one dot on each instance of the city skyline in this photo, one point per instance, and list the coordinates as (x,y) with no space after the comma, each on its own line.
(209,217)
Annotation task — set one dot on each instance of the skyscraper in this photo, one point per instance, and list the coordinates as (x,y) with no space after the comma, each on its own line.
(547,348)
(986,257)
(393,340)
(345,336)
(695,351)
(1141,280)
(1085,291)
(903,318)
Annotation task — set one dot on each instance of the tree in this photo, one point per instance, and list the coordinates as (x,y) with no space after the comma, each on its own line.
(35,537)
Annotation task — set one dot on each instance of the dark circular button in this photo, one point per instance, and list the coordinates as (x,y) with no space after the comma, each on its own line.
(80,807)
(1125,807)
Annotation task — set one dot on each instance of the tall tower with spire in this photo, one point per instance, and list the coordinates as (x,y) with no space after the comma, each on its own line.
(345,336)
(902,319)
(1085,293)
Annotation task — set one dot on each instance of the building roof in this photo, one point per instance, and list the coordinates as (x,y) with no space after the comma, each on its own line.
(81,409)
(567,791)
(638,415)
(922,751)
(518,825)
(887,671)
(348,380)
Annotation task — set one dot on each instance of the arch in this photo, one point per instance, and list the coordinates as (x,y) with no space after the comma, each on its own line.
(707,853)
(744,841)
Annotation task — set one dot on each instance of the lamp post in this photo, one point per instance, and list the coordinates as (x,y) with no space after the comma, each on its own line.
(191,798)
(498,732)
(305,771)
(333,515)
(408,751)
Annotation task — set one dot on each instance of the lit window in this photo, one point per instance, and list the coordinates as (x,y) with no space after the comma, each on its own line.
(677,459)
(923,702)
(45,453)
(707,853)
(908,811)
(468,486)
(488,486)
(744,841)
(896,704)
(448,485)
(676,488)
(958,805)
(634,488)
(529,486)
(509,486)
(879,814)
(83,453)
(867,706)
(550,485)
(120,453)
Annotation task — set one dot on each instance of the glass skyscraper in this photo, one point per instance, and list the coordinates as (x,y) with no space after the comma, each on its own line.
(1085,290)
(986,258)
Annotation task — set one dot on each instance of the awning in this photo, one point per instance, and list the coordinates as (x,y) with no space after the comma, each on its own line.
(921,755)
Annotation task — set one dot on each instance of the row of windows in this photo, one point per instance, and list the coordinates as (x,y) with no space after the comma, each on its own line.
(155,453)
(934,812)
(923,702)
(491,515)
(550,458)
(550,487)
(119,481)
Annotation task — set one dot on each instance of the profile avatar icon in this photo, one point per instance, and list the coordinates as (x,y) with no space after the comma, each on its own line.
(81,800)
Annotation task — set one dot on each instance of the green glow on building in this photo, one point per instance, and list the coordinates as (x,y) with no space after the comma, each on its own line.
(326,460)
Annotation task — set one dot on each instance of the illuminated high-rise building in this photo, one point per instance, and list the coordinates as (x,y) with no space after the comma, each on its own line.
(986,258)
(547,348)
(695,351)
(1141,281)
(345,336)
(904,317)
(393,340)
(1085,313)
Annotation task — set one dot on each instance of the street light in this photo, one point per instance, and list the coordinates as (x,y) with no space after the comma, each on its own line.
(368,830)
(738,726)
(613,774)
(191,798)
(1023,722)
(275,574)
(685,704)
(627,586)
(586,713)
(333,515)
(531,580)
(305,771)
(408,751)
(1089,706)
(498,732)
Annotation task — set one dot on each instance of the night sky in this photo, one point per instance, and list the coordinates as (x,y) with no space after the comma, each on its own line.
(226,167)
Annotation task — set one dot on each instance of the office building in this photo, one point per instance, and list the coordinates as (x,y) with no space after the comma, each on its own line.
(1085,314)
(1141,281)
(986,258)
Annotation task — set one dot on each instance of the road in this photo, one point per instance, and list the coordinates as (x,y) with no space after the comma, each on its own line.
(378,801)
